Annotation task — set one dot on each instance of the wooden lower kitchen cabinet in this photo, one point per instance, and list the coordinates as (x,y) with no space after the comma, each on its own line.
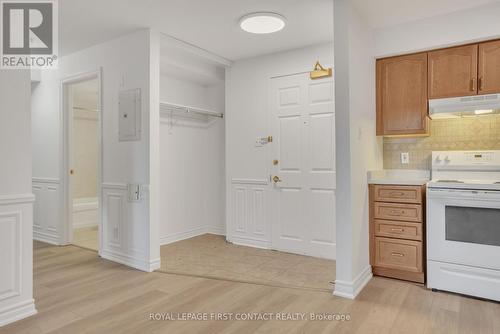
(397,231)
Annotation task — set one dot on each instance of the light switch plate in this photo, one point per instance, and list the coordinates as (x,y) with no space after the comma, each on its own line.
(134,192)
(405,158)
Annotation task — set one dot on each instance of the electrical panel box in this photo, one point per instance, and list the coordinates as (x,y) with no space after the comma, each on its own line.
(129,124)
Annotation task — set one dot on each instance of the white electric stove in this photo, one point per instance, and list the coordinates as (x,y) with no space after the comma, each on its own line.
(463,223)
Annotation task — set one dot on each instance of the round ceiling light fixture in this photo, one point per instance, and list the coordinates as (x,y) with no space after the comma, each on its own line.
(262,23)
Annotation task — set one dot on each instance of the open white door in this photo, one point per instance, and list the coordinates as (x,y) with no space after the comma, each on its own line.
(302,122)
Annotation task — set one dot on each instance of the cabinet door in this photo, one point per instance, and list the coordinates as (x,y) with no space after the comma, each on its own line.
(489,67)
(453,72)
(402,95)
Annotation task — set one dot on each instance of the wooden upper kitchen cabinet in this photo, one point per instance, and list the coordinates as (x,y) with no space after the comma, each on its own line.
(402,95)
(453,72)
(489,68)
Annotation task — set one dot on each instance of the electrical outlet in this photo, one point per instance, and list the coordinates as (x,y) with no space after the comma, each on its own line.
(405,158)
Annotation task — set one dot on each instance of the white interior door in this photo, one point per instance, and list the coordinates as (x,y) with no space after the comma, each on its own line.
(302,122)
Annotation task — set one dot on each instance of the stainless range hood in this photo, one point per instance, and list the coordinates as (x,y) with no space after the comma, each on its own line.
(464,106)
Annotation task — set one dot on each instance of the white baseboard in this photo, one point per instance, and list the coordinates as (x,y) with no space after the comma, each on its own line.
(47,238)
(216,230)
(174,237)
(350,290)
(251,243)
(130,261)
(17,312)
(182,235)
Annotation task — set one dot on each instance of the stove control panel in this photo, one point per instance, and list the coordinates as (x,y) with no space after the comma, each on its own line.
(464,159)
(479,157)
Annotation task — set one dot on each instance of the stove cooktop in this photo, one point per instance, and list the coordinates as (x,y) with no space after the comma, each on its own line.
(465,184)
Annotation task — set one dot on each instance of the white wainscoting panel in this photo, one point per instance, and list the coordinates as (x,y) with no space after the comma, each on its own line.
(16,258)
(124,231)
(10,254)
(47,224)
(248,225)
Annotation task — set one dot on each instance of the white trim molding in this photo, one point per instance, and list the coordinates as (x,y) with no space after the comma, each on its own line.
(350,290)
(263,182)
(131,261)
(17,199)
(179,236)
(52,180)
(17,312)
(250,242)
(16,238)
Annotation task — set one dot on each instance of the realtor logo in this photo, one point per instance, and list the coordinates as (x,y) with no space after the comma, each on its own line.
(29,34)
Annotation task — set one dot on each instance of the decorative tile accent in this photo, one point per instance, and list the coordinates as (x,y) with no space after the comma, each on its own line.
(468,133)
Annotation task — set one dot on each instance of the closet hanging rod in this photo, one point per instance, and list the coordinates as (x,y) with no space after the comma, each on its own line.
(180,108)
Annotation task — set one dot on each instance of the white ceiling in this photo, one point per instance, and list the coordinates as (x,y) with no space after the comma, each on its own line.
(209,24)
(383,13)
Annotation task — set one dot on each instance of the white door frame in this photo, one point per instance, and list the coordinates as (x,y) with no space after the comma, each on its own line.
(67,149)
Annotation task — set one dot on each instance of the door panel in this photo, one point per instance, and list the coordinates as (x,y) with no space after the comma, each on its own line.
(453,72)
(291,219)
(321,230)
(302,122)
(290,144)
(489,68)
(322,129)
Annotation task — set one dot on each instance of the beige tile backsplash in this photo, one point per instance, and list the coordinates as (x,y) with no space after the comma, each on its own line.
(471,133)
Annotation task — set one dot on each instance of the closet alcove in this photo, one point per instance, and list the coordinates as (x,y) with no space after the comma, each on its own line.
(192,186)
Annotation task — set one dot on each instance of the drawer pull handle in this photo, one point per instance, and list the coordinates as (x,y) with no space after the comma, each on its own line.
(397,212)
(397,254)
(397,193)
(397,229)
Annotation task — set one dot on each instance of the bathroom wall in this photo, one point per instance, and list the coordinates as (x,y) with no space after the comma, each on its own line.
(85,140)
(473,133)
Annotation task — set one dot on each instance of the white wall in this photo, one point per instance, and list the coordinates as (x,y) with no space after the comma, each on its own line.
(126,63)
(86,133)
(358,148)
(16,199)
(246,120)
(460,27)
(191,162)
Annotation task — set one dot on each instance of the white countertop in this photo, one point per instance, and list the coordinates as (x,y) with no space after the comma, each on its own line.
(399,176)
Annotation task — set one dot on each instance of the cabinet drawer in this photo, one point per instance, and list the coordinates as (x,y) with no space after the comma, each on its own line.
(403,230)
(395,211)
(398,194)
(398,254)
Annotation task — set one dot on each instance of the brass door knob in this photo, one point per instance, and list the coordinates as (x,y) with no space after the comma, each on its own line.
(276,179)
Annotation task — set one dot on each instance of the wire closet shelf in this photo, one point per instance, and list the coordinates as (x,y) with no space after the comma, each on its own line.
(166,107)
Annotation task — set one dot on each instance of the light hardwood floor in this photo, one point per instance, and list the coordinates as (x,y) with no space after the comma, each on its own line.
(76,292)
(211,256)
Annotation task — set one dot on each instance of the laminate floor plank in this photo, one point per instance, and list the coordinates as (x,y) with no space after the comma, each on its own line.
(77,292)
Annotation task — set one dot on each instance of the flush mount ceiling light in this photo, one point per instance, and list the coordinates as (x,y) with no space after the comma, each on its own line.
(262,23)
